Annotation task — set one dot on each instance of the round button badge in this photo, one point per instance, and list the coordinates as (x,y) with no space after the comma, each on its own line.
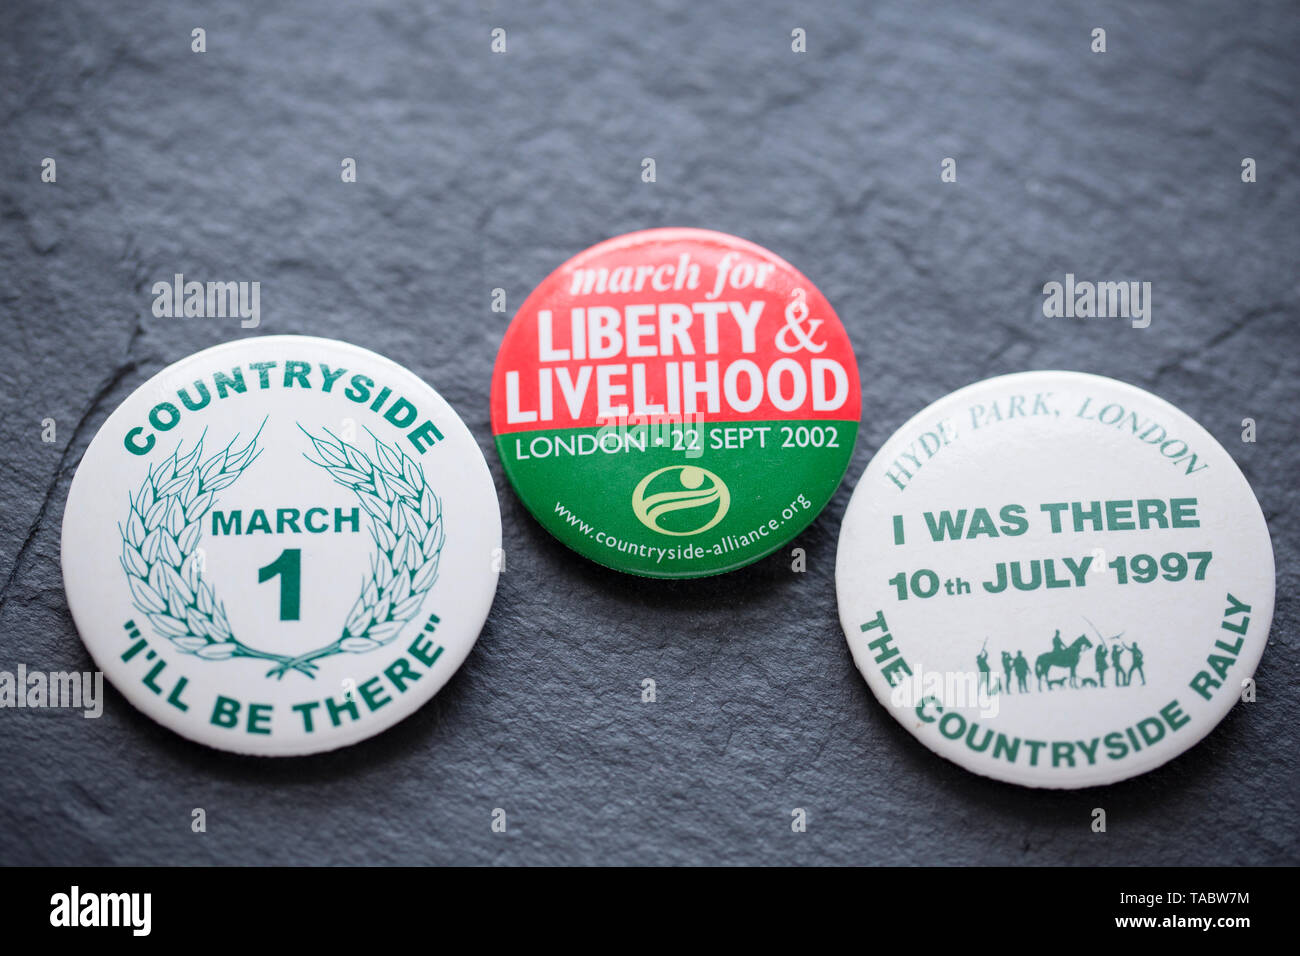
(281,545)
(675,403)
(1055,579)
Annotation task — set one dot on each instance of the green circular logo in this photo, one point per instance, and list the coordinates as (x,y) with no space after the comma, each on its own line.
(680,500)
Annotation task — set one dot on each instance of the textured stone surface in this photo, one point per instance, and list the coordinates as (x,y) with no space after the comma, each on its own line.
(478,171)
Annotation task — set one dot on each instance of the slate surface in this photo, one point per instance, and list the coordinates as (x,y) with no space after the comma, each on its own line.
(480,171)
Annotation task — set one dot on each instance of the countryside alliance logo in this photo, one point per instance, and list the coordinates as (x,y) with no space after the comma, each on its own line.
(681,500)
(161,555)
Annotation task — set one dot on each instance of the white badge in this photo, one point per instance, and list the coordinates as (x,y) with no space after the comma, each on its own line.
(1055,579)
(281,545)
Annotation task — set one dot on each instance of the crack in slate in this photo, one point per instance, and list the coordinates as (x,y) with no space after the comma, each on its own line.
(104,391)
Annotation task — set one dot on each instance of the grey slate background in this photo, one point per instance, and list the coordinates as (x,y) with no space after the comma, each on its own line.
(478,171)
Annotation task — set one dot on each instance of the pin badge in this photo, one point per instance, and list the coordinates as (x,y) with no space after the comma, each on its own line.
(675,403)
(281,545)
(1055,579)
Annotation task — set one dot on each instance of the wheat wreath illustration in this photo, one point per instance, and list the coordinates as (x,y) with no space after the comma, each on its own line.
(160,542)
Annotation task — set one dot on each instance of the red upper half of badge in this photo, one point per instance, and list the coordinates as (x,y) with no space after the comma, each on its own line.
(673,323)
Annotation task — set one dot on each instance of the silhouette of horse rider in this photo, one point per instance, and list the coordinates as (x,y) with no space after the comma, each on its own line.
(1066,657)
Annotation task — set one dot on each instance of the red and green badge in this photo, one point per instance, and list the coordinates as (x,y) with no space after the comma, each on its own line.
(675,402)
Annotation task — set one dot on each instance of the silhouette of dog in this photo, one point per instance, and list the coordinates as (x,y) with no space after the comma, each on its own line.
(1089,682)
(1056,683)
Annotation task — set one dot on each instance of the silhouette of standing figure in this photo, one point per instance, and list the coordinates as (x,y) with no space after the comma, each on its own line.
(1022,672)
(1118,664)
(1136,665)
(1101,665)
(982,662)
(1006,670)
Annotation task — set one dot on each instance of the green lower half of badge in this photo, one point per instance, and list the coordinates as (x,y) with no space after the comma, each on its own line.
(678,501)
